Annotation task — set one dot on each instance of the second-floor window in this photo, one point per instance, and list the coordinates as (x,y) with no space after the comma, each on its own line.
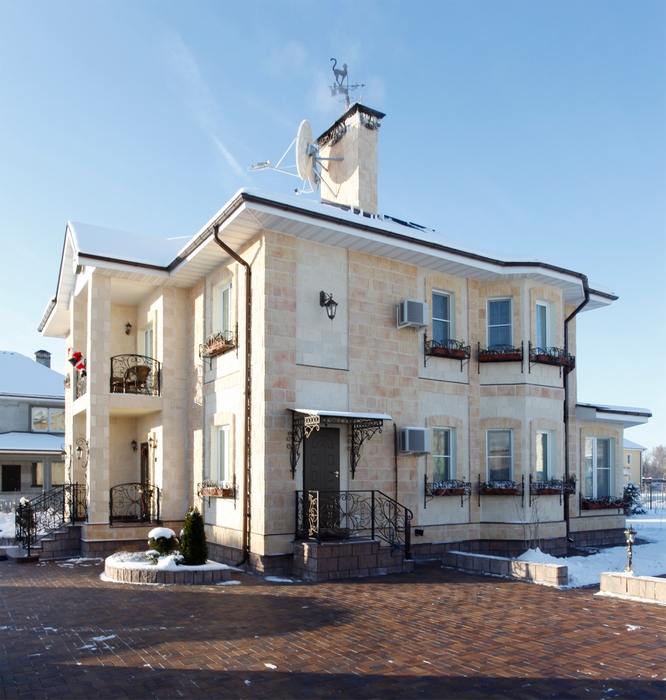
(542,335)
(222,308)
(148,336)
(48,419)
(441,317)
(500,330)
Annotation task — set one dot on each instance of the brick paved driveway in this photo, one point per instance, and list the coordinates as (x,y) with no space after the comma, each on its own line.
(64,633)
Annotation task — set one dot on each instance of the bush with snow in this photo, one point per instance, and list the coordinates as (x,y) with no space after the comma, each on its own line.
(163,540)
(193,545)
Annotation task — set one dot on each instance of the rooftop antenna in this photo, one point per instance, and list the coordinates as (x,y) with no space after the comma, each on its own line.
(341,85)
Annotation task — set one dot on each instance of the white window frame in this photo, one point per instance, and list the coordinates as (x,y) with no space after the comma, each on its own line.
(499,325)
(449,323)
(49,428)
(490,457)
(450,458)
(148,340)
(222,308)
(629,458)
(591,466)
(219,466)
(549,465)
(542,334)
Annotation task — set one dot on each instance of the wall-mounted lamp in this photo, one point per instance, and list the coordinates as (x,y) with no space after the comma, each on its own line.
(327,301)
(134,445)
(128,328)
(152,441)
(81,451)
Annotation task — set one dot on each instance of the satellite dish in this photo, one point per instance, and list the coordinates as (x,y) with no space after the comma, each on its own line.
(306,155)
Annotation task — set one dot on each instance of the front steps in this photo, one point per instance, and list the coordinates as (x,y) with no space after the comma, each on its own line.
(332,561)
(64,543)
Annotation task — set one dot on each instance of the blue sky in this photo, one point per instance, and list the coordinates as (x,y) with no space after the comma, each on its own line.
(534,128)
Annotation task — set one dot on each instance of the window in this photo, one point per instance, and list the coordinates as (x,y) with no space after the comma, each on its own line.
(220,453)
(500,455)
(441,317)
(542,335)
(148,340)
(500,330)
(37,474)
(57,473)
(443,453)
(221,308)
(598,473)
(544,461)
(629,459)
(48,419)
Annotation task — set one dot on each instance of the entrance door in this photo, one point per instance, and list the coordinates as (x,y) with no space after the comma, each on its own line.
(321,472)
(11,477)
(145,463)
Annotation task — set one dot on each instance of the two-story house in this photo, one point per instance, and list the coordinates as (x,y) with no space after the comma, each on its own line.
(310,372)
(32,425)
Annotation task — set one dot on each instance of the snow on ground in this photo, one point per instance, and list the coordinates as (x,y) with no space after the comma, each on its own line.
(648,559)
(137,560)
(7,525)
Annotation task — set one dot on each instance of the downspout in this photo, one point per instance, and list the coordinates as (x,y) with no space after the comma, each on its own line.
(586,291)
(247,513)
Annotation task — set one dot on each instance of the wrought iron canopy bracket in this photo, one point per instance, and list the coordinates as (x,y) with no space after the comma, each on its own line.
(360,430)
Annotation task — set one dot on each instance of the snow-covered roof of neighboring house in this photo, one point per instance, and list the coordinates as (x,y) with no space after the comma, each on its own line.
(629,445)
(181,263)
(21,376)
(627,415)
(31,443)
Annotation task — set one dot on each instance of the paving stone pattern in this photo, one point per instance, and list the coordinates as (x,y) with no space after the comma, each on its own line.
(433,633)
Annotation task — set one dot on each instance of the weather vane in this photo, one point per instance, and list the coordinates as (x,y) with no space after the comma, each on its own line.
(341,85)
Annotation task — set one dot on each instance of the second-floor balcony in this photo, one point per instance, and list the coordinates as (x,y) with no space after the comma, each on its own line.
(135,374)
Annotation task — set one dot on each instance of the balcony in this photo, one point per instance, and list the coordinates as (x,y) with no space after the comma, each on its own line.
(135,374)
(134,504)
(551,356)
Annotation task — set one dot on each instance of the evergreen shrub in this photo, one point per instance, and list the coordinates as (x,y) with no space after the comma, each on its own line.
(193,545)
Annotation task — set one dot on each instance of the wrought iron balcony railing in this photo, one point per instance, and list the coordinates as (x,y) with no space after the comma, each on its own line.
(500,353)
(452,349)
(48,512)
(551,356)
(134,503)
(339,515)
(135,374)
(450,487)
(81,385)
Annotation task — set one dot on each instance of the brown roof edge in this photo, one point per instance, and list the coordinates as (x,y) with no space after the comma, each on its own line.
(358,107)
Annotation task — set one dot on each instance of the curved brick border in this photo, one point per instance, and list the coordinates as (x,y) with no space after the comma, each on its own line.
(123,574)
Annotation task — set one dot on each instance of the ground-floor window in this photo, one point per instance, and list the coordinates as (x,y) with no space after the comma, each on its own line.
(598,471)
(443,454)
(37,474)
(57,473)
(500,455)
(220,452)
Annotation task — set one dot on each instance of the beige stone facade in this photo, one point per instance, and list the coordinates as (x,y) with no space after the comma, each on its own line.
(192,431)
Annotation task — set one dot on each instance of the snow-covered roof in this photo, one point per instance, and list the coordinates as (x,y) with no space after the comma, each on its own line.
(173,262)
(627,415)
(31,443)
(22,376)
(629,445)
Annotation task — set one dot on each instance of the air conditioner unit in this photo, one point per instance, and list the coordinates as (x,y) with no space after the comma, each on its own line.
(413,313)
(414,441)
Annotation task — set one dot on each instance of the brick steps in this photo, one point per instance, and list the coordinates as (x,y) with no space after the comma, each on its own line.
(331,561)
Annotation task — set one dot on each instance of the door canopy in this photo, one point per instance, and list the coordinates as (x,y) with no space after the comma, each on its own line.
(362,426)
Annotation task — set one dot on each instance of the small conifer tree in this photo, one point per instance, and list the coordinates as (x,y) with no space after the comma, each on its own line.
(193,545)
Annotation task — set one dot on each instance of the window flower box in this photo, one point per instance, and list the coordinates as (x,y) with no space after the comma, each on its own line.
(500,353)
(552,487)
(499,488)
(215,490)
(605,503)
(452,491)
(219,343)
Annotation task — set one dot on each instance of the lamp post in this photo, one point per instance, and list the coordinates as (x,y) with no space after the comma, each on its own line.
(630,534)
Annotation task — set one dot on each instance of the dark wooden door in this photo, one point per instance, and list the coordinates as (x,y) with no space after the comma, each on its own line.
(321,473)
(11,477)
(145,463)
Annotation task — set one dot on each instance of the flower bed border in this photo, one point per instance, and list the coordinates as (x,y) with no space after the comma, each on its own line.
(192,576)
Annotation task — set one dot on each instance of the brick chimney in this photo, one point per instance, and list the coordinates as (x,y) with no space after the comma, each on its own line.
(353,180)
(43,357)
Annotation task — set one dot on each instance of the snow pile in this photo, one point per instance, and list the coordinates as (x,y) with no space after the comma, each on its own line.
(144,560)
(7,524)
(648,559)
(158,532)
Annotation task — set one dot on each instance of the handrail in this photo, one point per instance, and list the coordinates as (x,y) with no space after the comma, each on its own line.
(349,514)
(41,516)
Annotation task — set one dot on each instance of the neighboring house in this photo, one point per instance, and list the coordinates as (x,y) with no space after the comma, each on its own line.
(306,368)
(633,462)
(32,424)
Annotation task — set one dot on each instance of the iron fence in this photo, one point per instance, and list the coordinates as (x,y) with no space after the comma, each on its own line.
(653,493)
(337,515)
(133,503)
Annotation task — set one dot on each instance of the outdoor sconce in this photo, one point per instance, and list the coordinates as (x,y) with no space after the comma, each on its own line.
(152,441)
(328,302)
(128,328)
(630,534)
(134,445)
(82,448)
